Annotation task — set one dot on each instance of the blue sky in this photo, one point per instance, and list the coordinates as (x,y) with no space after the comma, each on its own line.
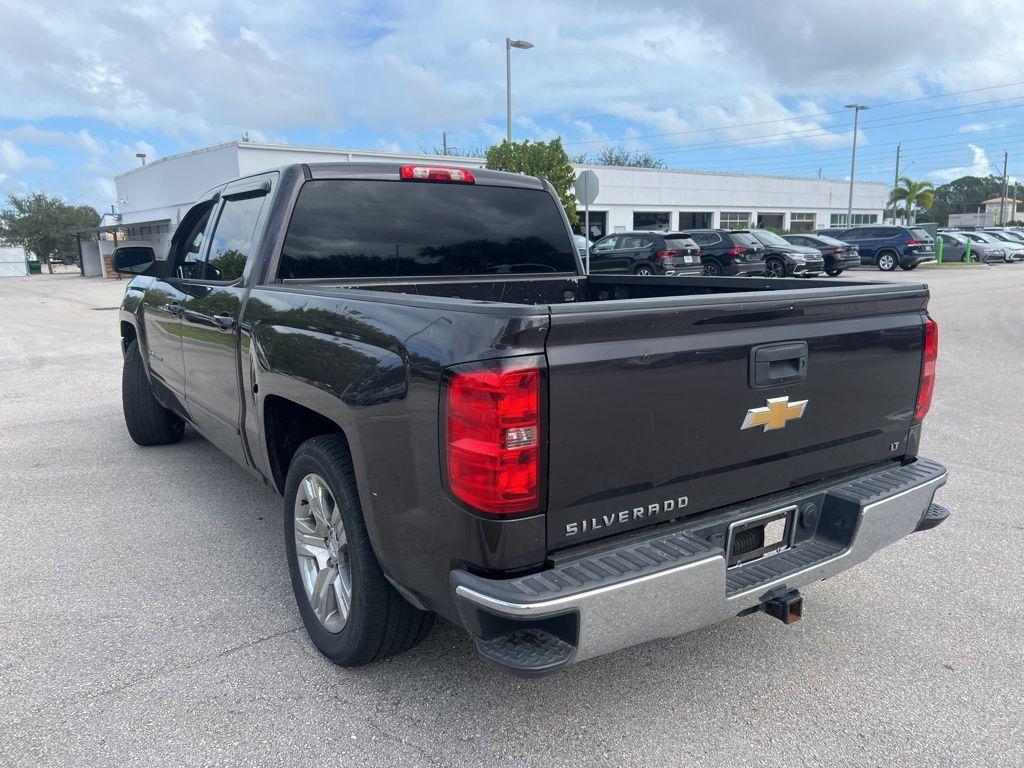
(705,85)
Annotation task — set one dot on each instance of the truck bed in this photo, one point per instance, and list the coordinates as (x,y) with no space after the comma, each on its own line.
(648,384)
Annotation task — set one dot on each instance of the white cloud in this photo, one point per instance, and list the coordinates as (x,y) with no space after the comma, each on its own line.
(14,159)
(980,167)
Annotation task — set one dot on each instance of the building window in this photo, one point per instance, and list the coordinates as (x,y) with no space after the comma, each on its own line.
(839,219)
(651,220)
(801,222)
(734,220)
(598,224)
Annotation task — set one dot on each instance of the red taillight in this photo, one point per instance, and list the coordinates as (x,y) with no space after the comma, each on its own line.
(437,173)
(666,255)
(916,242)
(493,439)
(735,251)
(931,354)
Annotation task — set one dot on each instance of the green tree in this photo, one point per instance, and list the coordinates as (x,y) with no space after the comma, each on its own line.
(621,156)
(915,195)
(41,223)
(964,195)
(544,159)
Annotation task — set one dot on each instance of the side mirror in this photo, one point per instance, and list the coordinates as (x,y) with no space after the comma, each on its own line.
(133,259)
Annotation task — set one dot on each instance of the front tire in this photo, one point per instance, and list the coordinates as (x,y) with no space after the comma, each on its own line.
(148,422)
(351,612)
(887,261)
(775,267)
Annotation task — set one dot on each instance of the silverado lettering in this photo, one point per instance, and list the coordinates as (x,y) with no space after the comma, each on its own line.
(625,516)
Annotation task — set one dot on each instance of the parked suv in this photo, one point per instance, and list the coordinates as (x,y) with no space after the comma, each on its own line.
(888,247)
(729,252)
(837,254)
(783,258)
(646,253)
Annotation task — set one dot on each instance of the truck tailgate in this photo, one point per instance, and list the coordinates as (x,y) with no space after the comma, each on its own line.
(647,398)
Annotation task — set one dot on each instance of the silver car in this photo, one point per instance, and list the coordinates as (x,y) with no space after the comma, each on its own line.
(954,248)
(1013,250)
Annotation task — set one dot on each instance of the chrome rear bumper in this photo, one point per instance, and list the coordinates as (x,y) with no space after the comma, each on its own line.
(677,582)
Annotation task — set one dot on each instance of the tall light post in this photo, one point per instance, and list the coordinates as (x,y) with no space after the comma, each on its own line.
(509,45)
(853,159)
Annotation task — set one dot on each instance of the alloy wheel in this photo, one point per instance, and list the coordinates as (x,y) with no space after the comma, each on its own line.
(646,271)
(322,551)
(776,268)
(886,262)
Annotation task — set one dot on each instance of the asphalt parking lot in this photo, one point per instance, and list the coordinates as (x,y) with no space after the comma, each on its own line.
(146,616)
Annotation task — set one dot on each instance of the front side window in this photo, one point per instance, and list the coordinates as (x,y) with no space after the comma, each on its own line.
(608,244)
(232,238)
(185,257)
(347,228)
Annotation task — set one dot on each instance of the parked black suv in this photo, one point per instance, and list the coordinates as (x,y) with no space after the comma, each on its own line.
(729,252)
(784,259)
(887,246)
(646,253)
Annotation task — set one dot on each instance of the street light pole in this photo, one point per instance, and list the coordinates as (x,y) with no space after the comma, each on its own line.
(509,45)
(853,159)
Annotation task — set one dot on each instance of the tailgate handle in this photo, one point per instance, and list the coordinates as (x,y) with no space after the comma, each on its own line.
(772,365)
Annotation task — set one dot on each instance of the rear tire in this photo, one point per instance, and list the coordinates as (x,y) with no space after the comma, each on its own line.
(887,261)
(379,622)
(148,422)
(643,270)
(712,268)
(833,272)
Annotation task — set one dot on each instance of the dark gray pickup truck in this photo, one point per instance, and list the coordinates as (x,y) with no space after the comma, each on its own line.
(461,422)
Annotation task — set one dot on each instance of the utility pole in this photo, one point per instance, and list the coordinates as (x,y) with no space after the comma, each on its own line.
(1006,184)
(896,181)
(853,159)
(444,142)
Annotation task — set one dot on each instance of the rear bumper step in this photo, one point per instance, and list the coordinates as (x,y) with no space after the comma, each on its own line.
(678,581)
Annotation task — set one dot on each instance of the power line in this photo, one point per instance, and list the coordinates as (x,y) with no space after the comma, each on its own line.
(795,116)
(811,133)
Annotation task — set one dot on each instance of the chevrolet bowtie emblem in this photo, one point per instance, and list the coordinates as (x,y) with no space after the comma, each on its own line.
(775,415)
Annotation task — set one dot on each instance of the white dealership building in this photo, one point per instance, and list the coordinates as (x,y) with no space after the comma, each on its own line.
(153,197)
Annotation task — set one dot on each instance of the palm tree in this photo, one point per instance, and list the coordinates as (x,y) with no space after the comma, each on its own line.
(915,195)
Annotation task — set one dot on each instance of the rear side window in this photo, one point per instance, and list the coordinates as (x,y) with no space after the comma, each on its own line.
(920,234)
(358,228)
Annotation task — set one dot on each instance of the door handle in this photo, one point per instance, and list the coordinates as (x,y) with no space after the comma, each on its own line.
(772,365)
(174,309)
(224,322)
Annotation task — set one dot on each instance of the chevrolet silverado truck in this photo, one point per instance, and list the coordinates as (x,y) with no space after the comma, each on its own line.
(462,422)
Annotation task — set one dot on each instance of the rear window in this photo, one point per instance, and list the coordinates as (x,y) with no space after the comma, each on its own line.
(679,242)
(919,234)
(826,240)
(345,228)
(744,238)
